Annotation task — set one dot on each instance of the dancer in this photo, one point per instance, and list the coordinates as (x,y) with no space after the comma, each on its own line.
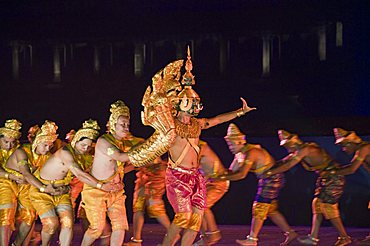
(13,187)
(328,190)
(112,152)
(352,143)
(185,184)
(211,167)
(58,171)
(254,158)
(148,196)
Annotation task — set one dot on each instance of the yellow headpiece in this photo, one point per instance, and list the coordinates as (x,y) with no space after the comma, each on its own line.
(117,109)
(11,129)
(47,133)
(342,135)
(287,137)
(234,134)
(90,129)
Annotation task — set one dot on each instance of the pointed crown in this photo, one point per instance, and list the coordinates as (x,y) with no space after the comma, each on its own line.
(90,129)
(47,133)
(117,109)
(342,135)
(188,77)
(287,137)
(234,134)
(11,129)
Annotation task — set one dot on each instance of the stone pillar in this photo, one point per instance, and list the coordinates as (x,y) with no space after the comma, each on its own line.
(180,50)
(56,65)
(139,59)
(31,54)
(339,34)
(15,59)
(266,55)
(322,43)
(96,60)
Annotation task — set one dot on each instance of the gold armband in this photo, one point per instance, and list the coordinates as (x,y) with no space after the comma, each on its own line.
(240,112)
(360,159)
(294,158)
(42,188)
(111,150)
(99,185)
(155,146)
(22,162)
(6,175)
(268,173)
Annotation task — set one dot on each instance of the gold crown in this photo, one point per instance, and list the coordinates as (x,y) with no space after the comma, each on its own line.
(117,109)
(234,134)
(188,77)
(47,133)
(11,129)
(342,135)
(287,137)
(90,129)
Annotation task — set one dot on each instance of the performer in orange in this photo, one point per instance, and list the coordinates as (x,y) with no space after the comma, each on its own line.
(148,196)
(254,158)
(58,170)
(352,143)
(211,167)
(9,136)
(185,185)
(328,189)
(112,152)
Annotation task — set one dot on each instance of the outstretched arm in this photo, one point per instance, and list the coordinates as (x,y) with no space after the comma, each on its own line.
(244,164)
(111,151)
(228,116)
(356,162)
(289,162)
(24,169)
(86,178)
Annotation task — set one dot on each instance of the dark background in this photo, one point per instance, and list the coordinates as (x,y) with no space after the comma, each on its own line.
(302,93)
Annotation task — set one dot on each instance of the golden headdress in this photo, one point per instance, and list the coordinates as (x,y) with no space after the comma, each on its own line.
(11,129)
(117,109)
(47,133)
(90,129)
(188,100)
(234,134)
(342,135)
(287,137)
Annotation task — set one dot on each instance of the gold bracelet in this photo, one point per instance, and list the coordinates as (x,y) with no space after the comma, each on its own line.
(6,175)
(269,173)
(42,188)
(239,112)
(99,185)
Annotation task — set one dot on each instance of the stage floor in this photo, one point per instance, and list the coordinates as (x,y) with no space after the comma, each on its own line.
(269,236)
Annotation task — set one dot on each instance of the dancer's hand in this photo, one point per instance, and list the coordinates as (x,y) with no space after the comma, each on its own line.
(245,107)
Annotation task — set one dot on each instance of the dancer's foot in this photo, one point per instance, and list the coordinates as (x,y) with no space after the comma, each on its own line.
(133,242)
(249,241)
(289,237)
(308,240)
(342,241)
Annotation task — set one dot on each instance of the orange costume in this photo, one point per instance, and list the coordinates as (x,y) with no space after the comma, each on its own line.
(150,188)
(97,203)
(14,200)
